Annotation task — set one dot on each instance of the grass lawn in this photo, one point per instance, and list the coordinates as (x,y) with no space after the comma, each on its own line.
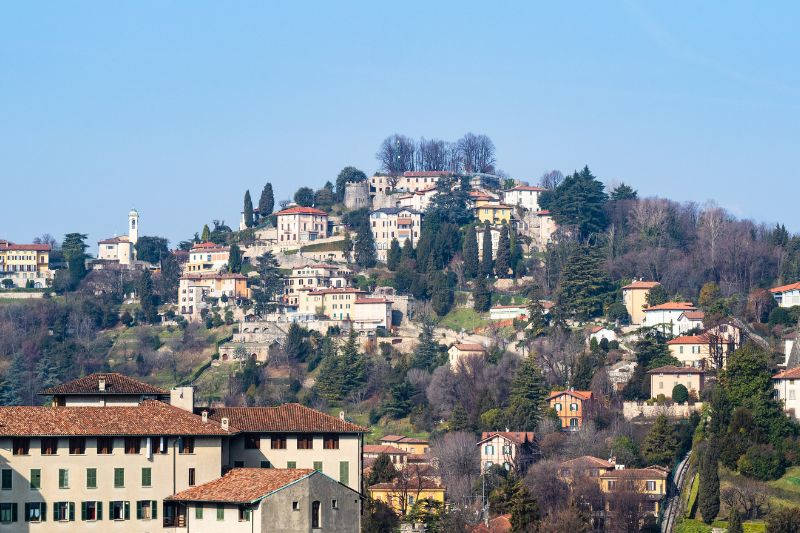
(697,526)
(463,318)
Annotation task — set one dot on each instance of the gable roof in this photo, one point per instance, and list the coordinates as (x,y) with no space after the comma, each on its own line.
(395,211)
(243,485)
(289,417)
(580,394)
(651,472)
(672,306)
(5,245)
(641,285)
(149,418)
(299,210)
(689,339)
(114,240)
(469,347)
(694,315)
(784,288)
(518,437)
(372,301)
(115,384)
(672,369)
(789,373)
(342,290)
(587,461)
(384,448)
(528,188)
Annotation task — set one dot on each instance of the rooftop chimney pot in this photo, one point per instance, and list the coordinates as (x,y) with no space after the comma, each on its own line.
(101,384)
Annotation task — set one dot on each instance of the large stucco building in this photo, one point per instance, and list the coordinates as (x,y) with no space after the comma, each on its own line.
(298,225)
(25,264)
(634,296)
(524,196)
(389,223)
(664,378)
(206,257)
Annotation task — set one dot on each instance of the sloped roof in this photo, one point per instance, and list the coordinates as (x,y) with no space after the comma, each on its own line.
(372,301)
(672,369)
(243,485)
(213,275)
(694,315)
(672,306)
(114,240)
(784,288)
(651,472)
(587,461)
(115,384)
(343,290)
(289,418)
(299,210)
(528,188)
(689,339)
(789,373)
(519,437)
(384,448)
(580,394)
(426,173)
(470,347)
(498,524)
(641,285)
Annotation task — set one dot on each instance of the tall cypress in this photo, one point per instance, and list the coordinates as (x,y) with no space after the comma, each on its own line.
(235,258)
(394,255)
(503,262)
(471,262)
(517,258)
(248,210)
(267,201)
(487,264)
(708,490)
(408,250)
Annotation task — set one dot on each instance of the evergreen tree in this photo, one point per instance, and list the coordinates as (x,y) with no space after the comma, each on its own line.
(441,293)
(304,197)
(584,287)
(482,296)
(459,420)
(268,285)
(578,201)
(660,443)
(428,353)
(394,255)
(524,510)
(408,251)
(74,251)
(470,253)
(206,234)
(708,489)
(267,201)
(382,470)
(248,210)
(657,295)
(487,263)
(538,320)
(527,397)
(517,257)
(399,404)
(296,346)
(623,192)
(502,263)
(365,247)
(12,385)
(235,259)
(347,175)
(735,521)
(147,298)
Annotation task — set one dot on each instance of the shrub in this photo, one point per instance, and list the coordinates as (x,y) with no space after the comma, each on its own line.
(761,461)
(618,312)
(780,315)
(784,520)
(680,393)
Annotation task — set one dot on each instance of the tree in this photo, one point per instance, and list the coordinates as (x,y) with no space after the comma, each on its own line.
(347,175)
(784,520)
(296,346)
(579,201)
(477,153)
(679,393)
(304,197)
(151,249)
(441,293)
(248,210)
(206,234)
(657,295)
(470,253)
(266,203)
(267,285)
(74,250)
(365,247)
(378,517)
(584,288)
(660,443)
(527,397)
(147,298)
(487,264)
(623,192)
(708,489)
(324,198)
(428,353)
(482,296)
(382,470)
(735,521)
(396,154)
(517,257)
(235,259)
(394,255)
(503,262)
(524,511)
(551,180)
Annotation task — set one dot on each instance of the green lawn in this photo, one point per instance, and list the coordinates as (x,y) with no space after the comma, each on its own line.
(463,318)
(697,526)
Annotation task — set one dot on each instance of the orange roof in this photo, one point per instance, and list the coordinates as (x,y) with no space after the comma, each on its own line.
(213,275)
(789,373)
(372,301)
(641,285)
(384,448)
(25,247)
(595,329)
(672,306)
(543,213)
(520,437)
(690,339)
(785,288)
(289,417)
(498,524)
(114,384)
(694,315)
(672,369)
(585,461)
(470,347)
(207,245)
(519,306)
(298,210)
(243,485)
(580,394)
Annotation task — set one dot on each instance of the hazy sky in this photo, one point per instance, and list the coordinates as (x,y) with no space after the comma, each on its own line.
(176,108)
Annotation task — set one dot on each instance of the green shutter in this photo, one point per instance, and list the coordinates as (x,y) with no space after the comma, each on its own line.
(6,480)
(36,478)
(27,511)
(138,510)
(91,478)
(220,512)
(146,477)
(55,510)
(264,464)
(71,511)
(119,477)
(62,482)
(344,472)
(153,509)
(13,512)
(291,464)
(127,510)
(99,506)
(83,510)
(198,511)
(318,466)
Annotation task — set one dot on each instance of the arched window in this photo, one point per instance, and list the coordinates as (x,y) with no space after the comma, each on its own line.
(316,518)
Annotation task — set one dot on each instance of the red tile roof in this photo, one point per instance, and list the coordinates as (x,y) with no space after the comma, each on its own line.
(286,418)
(426,173)
(672,306)
(543,213)
(25,247)
(149,418)
(789,373)
(694,315)
(372,301)
(580,394)
(527,188)
(498,524)
(470,347)
(641,285)
(587,461)
(689,339)
(785,288)
(298,210)
(384,448)
(208,246)
(520,437)
(243,485)
(519,306)
(115,384)
(672,369)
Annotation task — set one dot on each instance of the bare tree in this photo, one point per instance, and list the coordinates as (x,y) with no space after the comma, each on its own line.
(477,153)
(552,493)
(396,154)
(432,154)
(551,179)
(458,464)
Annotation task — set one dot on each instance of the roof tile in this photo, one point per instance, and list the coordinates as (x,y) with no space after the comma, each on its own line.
(242,485)
(114,384)
(290,417)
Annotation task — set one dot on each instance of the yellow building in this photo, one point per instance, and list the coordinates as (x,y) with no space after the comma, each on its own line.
(411,445)
(635,298)
(495,213)
(22,263)
(401,494)
(333,303)
(692,350)
(649,483)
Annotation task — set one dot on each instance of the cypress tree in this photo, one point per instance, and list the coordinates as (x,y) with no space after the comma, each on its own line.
(147,298)
(660,443)
(267,201)
(708,489)
(527,397)
(206,234)
(408,250)
(394,255)
(517,258)
(235,259)
(503,262)
(248,210)
(470,252)
(427,354)
(365,247)
(441,293)
(487,264)
(482,297)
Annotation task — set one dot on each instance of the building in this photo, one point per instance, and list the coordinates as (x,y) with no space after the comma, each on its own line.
(410,181)
(786,384)
(599,333)
(412,445)
(509,449)
(493,212)
(419,200)
(523,196)
(585,466)
(271,499)
(293,436)
(332,303)
(403,492)
(460,351)
(372,313)
(509,312)
(664,378)
(300,225)
(25,264)
(314,276)
(689,321)
(542,230)
(194,289)
(573,407)
(692,350)
(206,257)
(103,389)
(665,316)
(397,456)
(634,296)
(121,249)
(356,194)
(650,484)
(787,295)
(389,223)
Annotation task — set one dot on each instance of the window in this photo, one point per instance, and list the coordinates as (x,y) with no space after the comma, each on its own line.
(119,478)
(8,512)
(191,477)
(160,444)
(119,510)
(64,511)
(651,485)
(506,449)
(291,464)
(49,446)
(63,478)
(147,477)
(558,407)
(305,442)
(244,514)
(252,442)
(238,464)
(198,511)
(146,509)
(5,479)
(315,514)
(220,512)
(488,449)
(77,445)
(133,445)
(334,504)
(612,485)
(295,506)
(318,466)
(34,511)
(105,445)
(91,511)
(573,422)
(21,446)
(331,442)
(265,464)
(573,407)
(36,478)
(186,445)
(91,478)
(344,472)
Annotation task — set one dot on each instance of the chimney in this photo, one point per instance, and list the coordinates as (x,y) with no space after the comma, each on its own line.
(341,415)
(205,416)
(101,384)
(224,423)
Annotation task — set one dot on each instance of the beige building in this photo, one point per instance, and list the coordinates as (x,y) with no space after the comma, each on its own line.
(418,200)
(634,296)
(297,225)
(372,313)
(193,289)
(692,350)
(786,385)
(121,249)
(412,445)
(523,196)
(391,223)
(333,303)
(460,351)
(314,276)
(649,483)
(409,181)
(787,295)
(585,466)
(206,257)
(509,449)
(397,456)
(663,379)
(24,263)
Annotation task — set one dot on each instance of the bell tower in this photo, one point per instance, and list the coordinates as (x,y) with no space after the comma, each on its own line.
(133,226)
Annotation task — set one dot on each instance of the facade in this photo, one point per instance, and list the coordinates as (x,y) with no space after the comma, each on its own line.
(314,276)
(193,289)
(333,303)
(509,449)
(25,264)
(389,223)
(418,200)
(599,333)
(585,466)
(786,385)
(572,407)
(301,225)
(524,196)
(634,296)
(206,257)
(508,312)
(692,350)
(458,352)
(412,445)
(121,249)
(663,379)
(689,320)
(649,483)
(787,295)
(493,212)
(411,181)
(397,456)
(372,313)
(544,226)
(271,500)
(665,316)
(401,495)
(356,194)
(494,234)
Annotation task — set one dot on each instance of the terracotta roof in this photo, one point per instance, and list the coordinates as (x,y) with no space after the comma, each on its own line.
(384,448)
(243,485)
(114,240)
(213,275)
(520,437)
(595,329)
(372,301)
(115,384)
(527,188)
(344,290)
(641,285)
(426,173)
(672,369)
(694,315)
(289,418)
(789,373)
(581,394)
(543,213)
(392,438)
(298,210)
(498,524)
(672,306)
(650,472)
(208,246)
(410,485)
(587,461)
(149,418)
(25,247)
(689,339)
(470,347)
(783,288)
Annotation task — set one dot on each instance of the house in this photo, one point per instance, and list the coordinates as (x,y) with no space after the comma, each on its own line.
(314,276)
(523,196)
(786,385)
(207,257)
(650,484)
(599,333)
(294,436)
(689,321)
(508,312)
(787,295)
(664,378)
(390,223)
(458,352)
(121,249)
(103,389)
(333,303)
(372,313)
(412,445)
(194,288)
(418,200)
(25,264)
(299,225)
(397,456)
(544,226)
(665,316)
(403,492)
(493,212)
(410,181)
(271,499)
(634,295)
(692,350)
(584,466)
(509,449)
(573,407)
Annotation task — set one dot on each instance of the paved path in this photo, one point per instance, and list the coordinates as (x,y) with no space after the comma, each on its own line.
(674,503)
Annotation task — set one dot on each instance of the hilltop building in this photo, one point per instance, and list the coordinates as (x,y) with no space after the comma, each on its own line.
(25,264)
(121,249)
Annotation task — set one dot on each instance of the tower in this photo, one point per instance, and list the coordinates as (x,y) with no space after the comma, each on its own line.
(133,230)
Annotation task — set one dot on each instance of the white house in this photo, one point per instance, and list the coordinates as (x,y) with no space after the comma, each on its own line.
(787,295)
(419,200)
(121,249)
(786,384)
(601,332)
(389,223)
(665,316)
(372,313)
(524,196)
(508,312)
(689,320)
(509,449)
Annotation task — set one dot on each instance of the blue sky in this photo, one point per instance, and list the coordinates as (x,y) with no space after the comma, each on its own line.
(177,107)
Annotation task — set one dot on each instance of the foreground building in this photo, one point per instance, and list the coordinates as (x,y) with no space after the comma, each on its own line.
(666,316)
(786,385)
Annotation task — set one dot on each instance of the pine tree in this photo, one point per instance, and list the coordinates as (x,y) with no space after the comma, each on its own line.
(267,201)
(482,296)
(267,285)
(206,234)
(538,320)
(441,293)
(235,259)
(708,489)
(527,397)
(578,201)
(470,253)
(365,247)
(660,443)
(248,210)
(487,264)
(524,510)
(354,364)
(459,420)
(399,404)
(394,255)
(296,346)
(428,353)
(11,386)
(584,286)
(408,251)
(503,262)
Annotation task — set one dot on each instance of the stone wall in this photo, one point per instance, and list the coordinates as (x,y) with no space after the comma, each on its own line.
(631,410)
